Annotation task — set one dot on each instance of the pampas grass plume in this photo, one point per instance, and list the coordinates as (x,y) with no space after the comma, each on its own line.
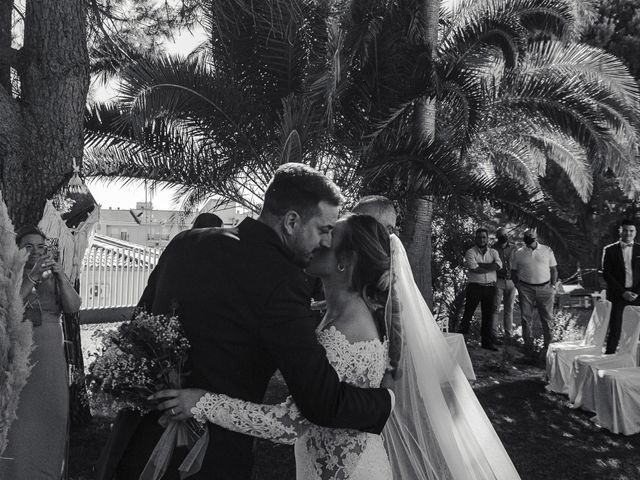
(15,334)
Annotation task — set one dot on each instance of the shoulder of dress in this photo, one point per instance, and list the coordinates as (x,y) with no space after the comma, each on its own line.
(333,332)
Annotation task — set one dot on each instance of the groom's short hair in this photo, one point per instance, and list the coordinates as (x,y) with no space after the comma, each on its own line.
(299,187)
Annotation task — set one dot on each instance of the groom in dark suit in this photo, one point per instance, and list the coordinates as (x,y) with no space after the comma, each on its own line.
(621,271)
(245,307)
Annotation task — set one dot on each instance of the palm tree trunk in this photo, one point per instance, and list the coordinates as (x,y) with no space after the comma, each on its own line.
(419,215)
(416,235)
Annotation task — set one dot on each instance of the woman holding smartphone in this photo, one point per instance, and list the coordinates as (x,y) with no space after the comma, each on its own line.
(37,443)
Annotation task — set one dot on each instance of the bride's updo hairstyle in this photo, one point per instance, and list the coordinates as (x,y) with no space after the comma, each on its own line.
(366,246)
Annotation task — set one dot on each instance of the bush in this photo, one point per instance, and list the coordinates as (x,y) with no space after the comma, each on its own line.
(566,327)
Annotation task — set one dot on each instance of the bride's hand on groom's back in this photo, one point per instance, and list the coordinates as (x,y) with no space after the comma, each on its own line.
(176,404)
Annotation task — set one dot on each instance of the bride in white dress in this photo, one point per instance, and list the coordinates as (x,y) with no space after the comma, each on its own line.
(437,429)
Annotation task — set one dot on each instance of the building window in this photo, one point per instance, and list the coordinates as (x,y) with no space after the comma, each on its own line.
(124,235)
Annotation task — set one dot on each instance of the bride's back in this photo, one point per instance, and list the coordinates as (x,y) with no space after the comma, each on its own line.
(356,322)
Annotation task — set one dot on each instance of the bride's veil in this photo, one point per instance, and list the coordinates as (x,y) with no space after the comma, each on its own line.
(437,430)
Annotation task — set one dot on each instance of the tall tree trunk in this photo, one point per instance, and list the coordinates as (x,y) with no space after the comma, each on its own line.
(419,215)
(6,9)
(416,234)
(41,132)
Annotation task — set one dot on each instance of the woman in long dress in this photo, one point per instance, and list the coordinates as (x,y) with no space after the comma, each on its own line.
(376,320)
(37,441)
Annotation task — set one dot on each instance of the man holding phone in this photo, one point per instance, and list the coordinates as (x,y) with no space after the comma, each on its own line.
(621,271)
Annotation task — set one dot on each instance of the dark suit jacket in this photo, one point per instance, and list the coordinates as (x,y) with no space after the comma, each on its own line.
(613,271)
(244,306)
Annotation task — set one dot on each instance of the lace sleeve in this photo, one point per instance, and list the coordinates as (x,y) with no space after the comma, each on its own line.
(281,423)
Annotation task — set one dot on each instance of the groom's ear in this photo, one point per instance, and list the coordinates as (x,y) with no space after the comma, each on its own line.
(291,221)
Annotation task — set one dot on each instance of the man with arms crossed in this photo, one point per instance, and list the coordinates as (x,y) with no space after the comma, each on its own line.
(482,264)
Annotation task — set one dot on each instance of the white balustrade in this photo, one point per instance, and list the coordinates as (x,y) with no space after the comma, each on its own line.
(115,273)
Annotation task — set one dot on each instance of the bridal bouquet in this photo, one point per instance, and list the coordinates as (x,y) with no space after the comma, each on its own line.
(142,356)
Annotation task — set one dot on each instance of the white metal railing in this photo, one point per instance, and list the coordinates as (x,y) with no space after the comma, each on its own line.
(114,273)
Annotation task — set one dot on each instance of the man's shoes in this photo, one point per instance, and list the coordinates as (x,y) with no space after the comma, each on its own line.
(493,348)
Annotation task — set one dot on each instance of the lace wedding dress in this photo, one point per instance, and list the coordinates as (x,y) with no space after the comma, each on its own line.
(321,453)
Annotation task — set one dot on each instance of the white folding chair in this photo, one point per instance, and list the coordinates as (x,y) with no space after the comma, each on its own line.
(585,367)
(560,355)
(617,400)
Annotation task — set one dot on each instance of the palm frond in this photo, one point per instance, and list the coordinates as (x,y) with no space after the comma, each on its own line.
(517,161)
(434,170)
(181,91)
(594,64)
(570,157)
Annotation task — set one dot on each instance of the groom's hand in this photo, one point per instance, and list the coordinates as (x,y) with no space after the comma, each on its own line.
(177,404)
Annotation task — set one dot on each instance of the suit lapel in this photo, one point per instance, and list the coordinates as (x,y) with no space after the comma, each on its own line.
(635,261)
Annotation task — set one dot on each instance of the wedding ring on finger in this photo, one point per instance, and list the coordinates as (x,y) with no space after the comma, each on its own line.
(173,412)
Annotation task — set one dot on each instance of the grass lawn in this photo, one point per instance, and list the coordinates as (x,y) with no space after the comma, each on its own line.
(544,437)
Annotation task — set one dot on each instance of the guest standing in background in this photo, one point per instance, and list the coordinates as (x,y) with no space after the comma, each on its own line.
(37,442)
(505,289)
(207,220)
(380,208)
(482,264)
(621,271)
(534,273)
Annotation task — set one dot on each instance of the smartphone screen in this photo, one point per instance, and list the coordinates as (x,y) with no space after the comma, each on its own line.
(52,248)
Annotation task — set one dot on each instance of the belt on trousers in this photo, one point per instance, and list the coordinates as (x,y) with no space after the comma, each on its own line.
(536,284)
(490,284)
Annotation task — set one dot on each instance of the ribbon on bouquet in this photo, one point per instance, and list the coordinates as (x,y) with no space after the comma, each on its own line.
(177,434)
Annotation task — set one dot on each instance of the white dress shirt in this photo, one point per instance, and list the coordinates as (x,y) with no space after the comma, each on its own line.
(534,264)
(627,254)
(474,256)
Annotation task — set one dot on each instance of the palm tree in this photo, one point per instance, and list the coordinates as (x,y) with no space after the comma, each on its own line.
(513,90)
(223,119)
(362,90)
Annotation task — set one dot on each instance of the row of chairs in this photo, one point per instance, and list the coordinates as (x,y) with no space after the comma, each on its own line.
(608,385)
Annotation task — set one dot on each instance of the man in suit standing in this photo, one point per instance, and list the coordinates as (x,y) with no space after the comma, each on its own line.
(621,271)
(244,304)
